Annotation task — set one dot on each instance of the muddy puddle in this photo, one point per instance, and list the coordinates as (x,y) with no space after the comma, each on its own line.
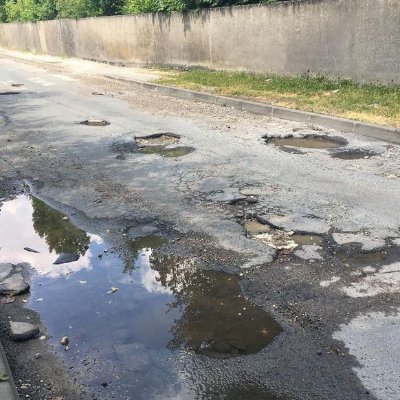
(138,322)
(307,142)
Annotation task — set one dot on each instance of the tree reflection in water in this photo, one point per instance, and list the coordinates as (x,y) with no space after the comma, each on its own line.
(216,319)
(60,234)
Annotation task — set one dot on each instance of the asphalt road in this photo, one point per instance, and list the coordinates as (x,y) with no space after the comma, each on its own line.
(338,312)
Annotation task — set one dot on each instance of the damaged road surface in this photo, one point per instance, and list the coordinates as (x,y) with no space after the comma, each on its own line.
(167,249)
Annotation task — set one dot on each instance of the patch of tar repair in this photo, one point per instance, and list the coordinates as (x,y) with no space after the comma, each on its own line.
(373,340)
(386,280)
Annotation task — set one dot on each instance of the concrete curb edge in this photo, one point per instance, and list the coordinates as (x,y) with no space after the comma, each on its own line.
(4,363)
(341,124)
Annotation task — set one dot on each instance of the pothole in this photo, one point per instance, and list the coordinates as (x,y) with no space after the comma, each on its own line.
(9,93)
(353,154)
(17,84)
(280,239)
(158,138)
(124,304)
(307,142)
(95,122)
(169,152)
(277,238)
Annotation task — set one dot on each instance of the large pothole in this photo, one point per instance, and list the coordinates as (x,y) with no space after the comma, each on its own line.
(306,142)
(123,308)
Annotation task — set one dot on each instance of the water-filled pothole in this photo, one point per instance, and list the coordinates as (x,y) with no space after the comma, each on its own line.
(95,122)
(353,154)
(158,138)
(307,142)
(279,238)
(161,310)
(168,152)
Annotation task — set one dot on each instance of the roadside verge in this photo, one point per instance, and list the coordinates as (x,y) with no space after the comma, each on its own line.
(345,125)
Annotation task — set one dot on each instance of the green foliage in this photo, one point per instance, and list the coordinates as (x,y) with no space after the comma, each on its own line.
(78,8)
(151,6)
(111,7)
(33,10)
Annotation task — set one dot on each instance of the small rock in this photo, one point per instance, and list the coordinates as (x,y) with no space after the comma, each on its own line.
(65,258)
(15,284)
(21,331)
(37,356)
(319,352)
(64,341)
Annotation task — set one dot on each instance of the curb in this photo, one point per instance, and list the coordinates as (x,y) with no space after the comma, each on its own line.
(345,125)
(8,390)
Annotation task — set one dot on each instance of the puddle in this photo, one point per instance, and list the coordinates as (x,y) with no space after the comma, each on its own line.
(145,337)
(95,122)
(307,142)
(308,240)
(361,259)
(168,152)
(158,138)
(353,154)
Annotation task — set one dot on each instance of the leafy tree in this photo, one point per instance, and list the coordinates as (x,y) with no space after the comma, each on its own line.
(151,6)
(78,8)
(111,7)
(3,15)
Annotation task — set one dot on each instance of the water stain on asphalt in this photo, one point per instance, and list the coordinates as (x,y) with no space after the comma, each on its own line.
(307,142)
(134,338)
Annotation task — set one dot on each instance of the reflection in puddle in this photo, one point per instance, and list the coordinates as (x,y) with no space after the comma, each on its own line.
(134,340)
(308,142)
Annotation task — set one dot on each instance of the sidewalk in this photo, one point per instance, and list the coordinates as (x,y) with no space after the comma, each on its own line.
(8,390)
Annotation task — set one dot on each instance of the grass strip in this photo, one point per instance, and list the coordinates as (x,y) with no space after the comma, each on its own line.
(373,103)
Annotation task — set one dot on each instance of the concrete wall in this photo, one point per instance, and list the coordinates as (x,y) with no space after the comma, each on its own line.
(358,39)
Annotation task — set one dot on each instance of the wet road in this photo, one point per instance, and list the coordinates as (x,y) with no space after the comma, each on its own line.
(245,269)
